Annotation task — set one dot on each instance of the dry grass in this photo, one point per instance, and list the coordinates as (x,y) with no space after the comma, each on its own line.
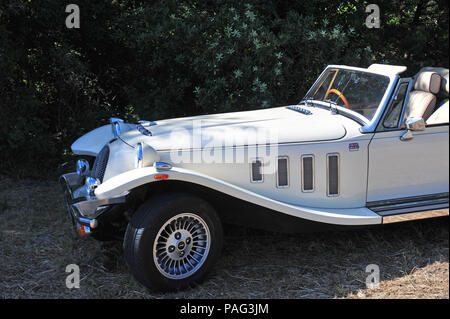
(36,244)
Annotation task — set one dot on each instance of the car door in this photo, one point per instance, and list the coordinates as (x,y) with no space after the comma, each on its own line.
(407,174)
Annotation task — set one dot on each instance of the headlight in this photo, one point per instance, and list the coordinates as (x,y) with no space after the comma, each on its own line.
(92,184)
(82,167)
(145,155)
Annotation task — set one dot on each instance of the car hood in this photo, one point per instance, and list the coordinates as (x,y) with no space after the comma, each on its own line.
(267,126)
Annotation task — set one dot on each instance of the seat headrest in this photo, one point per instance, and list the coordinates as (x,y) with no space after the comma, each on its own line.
(443,72)
(428,81)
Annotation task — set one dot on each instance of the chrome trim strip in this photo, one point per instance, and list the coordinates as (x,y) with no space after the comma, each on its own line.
(411,209)
(313,173)
(380,127)
(409,89)
(408,199)
(416,215)
(394,206)
(143,130)
(338,174)
(161,166)
(287,172)
(341,110)
(382,209)
(147,123)
(86,221)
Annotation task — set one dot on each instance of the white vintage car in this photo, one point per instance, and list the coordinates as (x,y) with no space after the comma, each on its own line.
(363,147)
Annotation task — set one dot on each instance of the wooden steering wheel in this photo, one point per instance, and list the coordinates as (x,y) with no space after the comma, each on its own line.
(341,96)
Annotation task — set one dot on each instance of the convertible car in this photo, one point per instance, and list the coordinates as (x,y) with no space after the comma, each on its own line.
(364,147)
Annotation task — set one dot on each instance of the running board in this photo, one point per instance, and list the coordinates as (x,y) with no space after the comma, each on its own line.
(409,204)
(415,216)
(411,208)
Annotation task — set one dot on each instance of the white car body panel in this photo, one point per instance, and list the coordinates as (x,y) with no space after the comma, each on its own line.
(91,143)
(353,164)
(232,129)
(353,174)
(121,183)
(413,168)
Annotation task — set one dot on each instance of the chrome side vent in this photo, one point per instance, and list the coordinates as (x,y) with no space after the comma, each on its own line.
(308,173)
(299,109)
(283,172)
(333,174)
(256,171)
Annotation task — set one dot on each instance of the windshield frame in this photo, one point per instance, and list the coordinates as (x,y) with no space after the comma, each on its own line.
(367,125)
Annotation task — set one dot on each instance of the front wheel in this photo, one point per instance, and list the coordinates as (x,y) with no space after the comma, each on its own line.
(173,241)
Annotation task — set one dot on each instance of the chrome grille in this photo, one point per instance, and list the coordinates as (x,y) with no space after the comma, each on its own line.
(99,168)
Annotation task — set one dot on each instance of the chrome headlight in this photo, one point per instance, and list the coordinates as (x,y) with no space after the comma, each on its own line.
(82,167)
(92,184)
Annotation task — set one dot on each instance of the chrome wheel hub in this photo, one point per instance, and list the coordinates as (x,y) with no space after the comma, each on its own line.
(181,246)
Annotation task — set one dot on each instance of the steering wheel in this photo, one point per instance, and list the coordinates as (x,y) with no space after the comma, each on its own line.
(341,96)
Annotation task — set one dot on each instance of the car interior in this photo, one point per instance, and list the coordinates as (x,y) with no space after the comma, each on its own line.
(429,98)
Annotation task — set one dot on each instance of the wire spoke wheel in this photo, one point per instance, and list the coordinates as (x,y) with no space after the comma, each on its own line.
(181,246)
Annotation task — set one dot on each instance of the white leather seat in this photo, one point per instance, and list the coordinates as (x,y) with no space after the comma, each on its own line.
(441,115)
(422,99)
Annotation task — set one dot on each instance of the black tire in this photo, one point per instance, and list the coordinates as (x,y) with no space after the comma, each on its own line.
(144,229)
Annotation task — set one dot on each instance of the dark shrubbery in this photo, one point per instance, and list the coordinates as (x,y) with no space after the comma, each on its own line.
(162,59)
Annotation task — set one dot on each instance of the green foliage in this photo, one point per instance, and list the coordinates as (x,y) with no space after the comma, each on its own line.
(162,59)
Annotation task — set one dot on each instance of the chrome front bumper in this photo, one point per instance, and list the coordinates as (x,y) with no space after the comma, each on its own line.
(83,209)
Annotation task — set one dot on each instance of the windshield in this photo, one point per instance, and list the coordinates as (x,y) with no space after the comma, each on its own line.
(358,91)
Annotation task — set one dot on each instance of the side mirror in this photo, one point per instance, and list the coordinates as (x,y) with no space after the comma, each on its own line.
(413,124)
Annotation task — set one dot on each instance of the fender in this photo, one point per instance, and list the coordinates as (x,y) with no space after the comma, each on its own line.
(92,142)
(120,184)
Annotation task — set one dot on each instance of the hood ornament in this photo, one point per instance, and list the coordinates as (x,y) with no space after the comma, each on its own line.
(115,124)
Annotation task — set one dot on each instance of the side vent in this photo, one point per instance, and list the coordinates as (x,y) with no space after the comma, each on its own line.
(283,172)
(307,173)
(333,174)
(256,171)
